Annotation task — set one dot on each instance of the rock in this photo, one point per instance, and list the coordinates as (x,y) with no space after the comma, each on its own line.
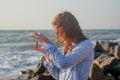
(40,73)
(117,68)
(42,77)
(113,44)
(111,50)
(108,65)
(117,52)
(98,48)
(102,58)
(29,71)
(97,54)
(117,71)
(96,74)
(107,45)
(40,67)
(104,66)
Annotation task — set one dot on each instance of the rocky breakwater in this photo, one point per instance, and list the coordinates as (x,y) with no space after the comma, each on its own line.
(106,64)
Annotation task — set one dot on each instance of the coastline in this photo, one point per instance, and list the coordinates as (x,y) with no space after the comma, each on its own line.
(15,55)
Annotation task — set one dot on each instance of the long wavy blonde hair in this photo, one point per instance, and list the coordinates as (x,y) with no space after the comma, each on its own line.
(69,28)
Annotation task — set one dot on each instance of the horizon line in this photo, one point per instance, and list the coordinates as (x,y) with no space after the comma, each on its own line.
(52,29)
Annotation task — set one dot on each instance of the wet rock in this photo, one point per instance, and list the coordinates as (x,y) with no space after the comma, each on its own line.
(113,44)
(97,54)
(117,71)
(103,68)
(102,58)
(40,67)
(107,65)
(117,52)
(107,45)
(97,47)
(40,73)
(111,50)
(97,74)
(117,68)
(42,77)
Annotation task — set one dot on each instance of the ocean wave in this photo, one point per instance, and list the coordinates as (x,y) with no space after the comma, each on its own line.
(13,62)
(117,40)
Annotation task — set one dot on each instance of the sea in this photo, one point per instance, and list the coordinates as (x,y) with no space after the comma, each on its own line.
(16,56)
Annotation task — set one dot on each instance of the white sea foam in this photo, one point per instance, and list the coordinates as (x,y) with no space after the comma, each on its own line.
(12,63)
(117,40)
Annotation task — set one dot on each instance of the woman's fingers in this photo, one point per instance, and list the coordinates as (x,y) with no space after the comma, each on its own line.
(34,35)
(40,37)
(44,40)
(38,49)
(32,47)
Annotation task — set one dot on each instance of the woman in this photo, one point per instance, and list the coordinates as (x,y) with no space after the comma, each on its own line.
(75,61)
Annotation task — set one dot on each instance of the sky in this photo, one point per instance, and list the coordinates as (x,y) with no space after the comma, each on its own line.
(38,14)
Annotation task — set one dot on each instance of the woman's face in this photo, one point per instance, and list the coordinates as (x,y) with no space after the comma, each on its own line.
(59,34)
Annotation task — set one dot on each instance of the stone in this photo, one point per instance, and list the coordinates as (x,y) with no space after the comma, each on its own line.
(107,45)
(96,73)
(97,54)
(102,58)
(117,71)
(40,73)
(97,47)
(108,64)
(117,52)
(111,50)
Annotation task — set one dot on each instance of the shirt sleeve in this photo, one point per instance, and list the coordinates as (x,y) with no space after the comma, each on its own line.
(79,53)
(54,71)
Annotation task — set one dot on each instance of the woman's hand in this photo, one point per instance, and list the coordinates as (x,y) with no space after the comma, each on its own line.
(40,37)
(42,51)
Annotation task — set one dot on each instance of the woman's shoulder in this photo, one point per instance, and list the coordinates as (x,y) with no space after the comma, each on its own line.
(86,43)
